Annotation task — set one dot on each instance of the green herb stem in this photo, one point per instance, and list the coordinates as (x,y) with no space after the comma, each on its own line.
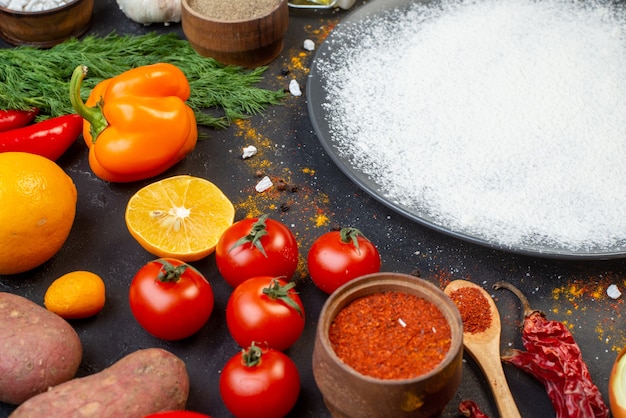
(40,77)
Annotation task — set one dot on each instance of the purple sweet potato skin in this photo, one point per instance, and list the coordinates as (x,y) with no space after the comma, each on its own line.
(38,349)
(142,383)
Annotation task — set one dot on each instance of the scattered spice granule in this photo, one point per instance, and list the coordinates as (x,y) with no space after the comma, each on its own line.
(368,335)
(474,309)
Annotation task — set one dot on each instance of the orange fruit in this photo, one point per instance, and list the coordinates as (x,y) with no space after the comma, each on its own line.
(37,209)
(180,217)
(76,295)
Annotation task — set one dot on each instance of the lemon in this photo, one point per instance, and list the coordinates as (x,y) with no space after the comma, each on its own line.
(180,217)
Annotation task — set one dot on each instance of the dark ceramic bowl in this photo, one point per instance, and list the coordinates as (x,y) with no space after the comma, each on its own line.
(348,393)
(46,28)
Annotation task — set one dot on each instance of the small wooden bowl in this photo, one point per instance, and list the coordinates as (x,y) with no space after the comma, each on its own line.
(348,393)
(46,28)
(247,43)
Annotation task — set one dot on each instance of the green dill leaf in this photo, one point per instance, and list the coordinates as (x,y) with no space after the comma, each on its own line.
(40,77)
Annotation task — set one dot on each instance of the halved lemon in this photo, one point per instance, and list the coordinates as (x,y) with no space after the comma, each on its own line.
(181,217)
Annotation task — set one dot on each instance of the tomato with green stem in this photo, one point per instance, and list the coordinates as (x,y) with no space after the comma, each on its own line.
(170,299)
(337,257)
(259,383)
(256,247)
(266,309)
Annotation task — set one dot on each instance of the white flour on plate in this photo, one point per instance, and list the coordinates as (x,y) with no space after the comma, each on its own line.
(32,5)
(502,119)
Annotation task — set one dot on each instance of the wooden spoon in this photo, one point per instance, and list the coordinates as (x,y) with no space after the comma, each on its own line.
(484,347)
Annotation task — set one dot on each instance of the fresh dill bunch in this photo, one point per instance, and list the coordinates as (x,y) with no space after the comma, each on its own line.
(40,77)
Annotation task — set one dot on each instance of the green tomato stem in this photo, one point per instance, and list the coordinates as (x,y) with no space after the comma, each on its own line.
(252,356)
(169,273)
(259,229)
(349,234)
(283,293)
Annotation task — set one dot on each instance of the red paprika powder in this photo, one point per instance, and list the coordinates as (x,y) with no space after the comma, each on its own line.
(474,308)
(390,335)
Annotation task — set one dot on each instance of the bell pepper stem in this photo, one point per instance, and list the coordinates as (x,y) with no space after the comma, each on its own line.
(93,115)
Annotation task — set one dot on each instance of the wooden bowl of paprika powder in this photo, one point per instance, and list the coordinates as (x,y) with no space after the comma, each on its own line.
(388,345)
(233,32)
(46,28)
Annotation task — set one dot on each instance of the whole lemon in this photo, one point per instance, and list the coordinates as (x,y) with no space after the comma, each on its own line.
(37,210)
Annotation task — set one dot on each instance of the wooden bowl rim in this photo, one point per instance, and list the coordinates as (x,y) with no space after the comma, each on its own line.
(355,287)
(42,13)
(190,10)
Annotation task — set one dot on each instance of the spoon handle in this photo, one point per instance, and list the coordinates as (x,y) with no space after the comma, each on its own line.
(492,368)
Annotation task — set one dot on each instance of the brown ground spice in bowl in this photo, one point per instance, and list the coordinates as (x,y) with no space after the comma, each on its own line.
(232,10)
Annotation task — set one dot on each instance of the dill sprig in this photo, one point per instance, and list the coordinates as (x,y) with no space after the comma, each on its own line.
(40,77)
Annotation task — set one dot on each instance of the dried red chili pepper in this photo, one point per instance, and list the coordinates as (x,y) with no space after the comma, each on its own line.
(471,410)
(553,357)
(12,119)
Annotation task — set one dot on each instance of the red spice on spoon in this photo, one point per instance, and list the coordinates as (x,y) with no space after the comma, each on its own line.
(474,309)
(390,335)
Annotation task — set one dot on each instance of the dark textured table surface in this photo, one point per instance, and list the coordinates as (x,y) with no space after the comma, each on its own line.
(567,290)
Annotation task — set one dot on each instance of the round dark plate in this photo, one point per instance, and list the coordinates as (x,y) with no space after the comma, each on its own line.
(317,95)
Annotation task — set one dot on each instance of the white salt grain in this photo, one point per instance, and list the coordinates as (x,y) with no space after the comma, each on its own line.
(514,113)
(294,88)
(249,151)
(264,184)
(613,292)
(309,45)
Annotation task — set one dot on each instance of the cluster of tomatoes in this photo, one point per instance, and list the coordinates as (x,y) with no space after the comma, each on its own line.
(264,314)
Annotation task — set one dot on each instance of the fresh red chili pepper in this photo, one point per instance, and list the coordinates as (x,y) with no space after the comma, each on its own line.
(49,138)
(553,357)
(470,409)
(13,119)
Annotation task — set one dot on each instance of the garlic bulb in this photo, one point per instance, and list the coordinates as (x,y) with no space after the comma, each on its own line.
(345,4)
(151,11)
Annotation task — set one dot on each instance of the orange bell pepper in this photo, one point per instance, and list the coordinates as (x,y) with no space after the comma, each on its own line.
(136,124)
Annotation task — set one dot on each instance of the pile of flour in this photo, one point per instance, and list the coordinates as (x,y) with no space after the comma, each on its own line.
(500,119)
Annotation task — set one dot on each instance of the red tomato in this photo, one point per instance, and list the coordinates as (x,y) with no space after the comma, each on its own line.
(256,247)
(337,257)
(177,414)
(170,299)
(265,309)
(259,383)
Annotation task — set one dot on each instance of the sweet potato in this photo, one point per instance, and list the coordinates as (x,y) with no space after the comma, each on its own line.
(144,382)
(38,349)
